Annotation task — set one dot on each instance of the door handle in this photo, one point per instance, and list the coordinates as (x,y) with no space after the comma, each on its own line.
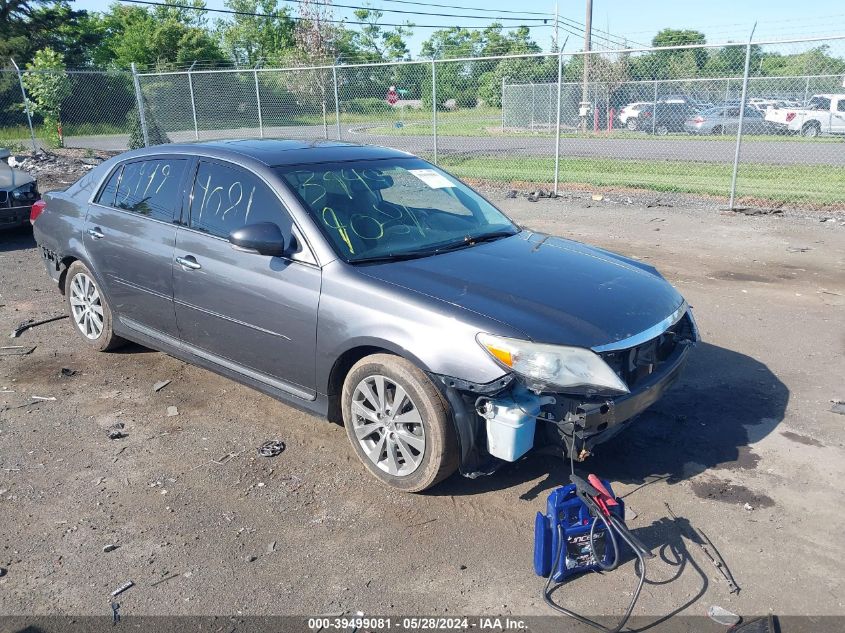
(96,233)
(188,263)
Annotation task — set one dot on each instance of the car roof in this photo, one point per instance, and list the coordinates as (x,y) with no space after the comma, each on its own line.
(278,152)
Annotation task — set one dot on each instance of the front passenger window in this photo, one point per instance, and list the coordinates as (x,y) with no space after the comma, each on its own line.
(227,198)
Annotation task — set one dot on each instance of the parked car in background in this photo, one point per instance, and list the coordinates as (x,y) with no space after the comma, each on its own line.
(366,285)
(631,111)
(18,191)
(662,118)
(726,121)
(823,114)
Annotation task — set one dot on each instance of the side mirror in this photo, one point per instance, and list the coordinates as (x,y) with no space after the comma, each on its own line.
(263,238)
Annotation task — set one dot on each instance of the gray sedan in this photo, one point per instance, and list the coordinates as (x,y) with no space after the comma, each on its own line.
(367,286)
(725,120)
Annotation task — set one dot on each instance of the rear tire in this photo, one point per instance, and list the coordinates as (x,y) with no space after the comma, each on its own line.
(661,130)
(631,124)
(409,444)
(810,130)
(716,130)
(89,310)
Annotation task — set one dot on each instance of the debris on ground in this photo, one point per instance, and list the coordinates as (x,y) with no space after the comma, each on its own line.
(251,558)
(225,458)
(749,211)
(44,398)
(703,541)
(127,585)
(838,407)
(172,411)
(160,385)
(797,249)
(110,548)
(115,609)
(271,448)
(657,202)
(16,350)
(67,372)
(630,515)
(2,571)
(748,507)
(722,616)
(511,194)
(166,578)
(31,323)
(597,197)
(115,431)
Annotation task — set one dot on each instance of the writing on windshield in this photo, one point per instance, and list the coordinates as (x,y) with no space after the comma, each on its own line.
(377,208)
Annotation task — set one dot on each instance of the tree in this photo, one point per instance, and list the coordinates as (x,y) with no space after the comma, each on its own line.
(47,86)
(163,37)
(464,82)
(251,39)
(676,63)
(375,43)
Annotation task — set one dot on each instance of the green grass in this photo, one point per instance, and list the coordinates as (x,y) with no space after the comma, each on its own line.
(807,185)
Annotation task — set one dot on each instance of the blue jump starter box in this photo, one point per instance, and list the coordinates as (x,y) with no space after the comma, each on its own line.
(565,509)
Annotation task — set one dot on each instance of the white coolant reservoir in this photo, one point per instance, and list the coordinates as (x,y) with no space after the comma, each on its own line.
(511,421)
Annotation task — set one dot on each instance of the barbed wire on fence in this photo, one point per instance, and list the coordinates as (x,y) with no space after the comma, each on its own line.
(659,119)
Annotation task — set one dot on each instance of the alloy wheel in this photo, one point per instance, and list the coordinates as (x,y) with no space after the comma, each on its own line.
(388,425)
(86,305)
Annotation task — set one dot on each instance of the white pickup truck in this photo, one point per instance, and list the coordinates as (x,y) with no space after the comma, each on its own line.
(823,114)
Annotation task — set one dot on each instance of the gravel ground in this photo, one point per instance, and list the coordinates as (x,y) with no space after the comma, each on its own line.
(745,447)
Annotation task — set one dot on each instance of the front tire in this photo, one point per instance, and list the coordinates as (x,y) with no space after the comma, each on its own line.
(398,423)
(631,124)
(89,310)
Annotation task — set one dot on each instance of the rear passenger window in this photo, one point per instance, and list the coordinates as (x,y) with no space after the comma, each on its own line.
(152,188)
(840,107)
(106,197)
(227,198)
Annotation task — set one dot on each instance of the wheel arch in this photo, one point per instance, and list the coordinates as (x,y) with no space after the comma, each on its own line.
(357,350)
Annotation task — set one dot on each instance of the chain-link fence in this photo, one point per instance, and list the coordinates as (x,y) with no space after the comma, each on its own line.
(758,123)
(96,110)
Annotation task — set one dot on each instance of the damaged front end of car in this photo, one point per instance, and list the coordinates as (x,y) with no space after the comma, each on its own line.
(568,399)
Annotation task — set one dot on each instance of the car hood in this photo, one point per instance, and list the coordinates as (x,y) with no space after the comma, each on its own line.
(551,289)
(11,178)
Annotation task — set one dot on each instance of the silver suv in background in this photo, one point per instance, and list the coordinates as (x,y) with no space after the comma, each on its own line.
(368,286)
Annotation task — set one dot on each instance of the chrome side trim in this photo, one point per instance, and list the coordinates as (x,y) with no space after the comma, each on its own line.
(646,335)
(218,360)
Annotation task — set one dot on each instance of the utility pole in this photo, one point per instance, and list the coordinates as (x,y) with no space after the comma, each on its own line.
(557,34)
(585,87)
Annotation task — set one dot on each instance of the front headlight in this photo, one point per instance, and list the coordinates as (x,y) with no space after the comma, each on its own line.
(554,367)
(23,193)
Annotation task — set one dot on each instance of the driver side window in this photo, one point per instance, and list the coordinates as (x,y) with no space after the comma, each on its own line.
(227,198)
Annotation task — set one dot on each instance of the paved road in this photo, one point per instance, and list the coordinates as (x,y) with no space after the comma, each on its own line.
(685,149)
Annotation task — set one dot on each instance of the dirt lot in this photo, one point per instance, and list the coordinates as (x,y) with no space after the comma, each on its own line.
(745,447)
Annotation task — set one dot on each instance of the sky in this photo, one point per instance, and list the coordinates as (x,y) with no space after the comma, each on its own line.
(634,21)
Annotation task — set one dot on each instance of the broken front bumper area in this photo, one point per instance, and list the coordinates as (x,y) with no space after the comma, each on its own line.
(581,425)
(574,424)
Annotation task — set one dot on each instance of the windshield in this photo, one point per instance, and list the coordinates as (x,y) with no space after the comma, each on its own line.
(402,207)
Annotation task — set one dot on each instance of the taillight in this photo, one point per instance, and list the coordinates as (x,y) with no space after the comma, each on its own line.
(790,116)
(646,114)
(698,119)
(37,209)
